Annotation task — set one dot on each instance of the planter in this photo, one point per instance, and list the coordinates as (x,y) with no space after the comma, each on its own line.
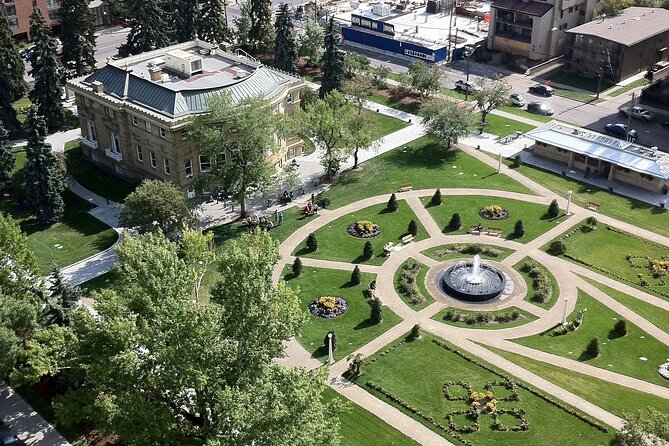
(494,213)
(328,307)
(353,229)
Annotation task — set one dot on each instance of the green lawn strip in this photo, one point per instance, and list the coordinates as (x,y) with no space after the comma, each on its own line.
(625,209)
(575,95)
(525,114)
(555,288)
(609,396)
(605,251)
(420,283)
(468,206)
(618,354)
(424,164)
(528,317)
(334,243)
(631,86)
(655,315)
(92,177)
(432,252)
(578,81)
(396,103)
(383,124)
(414,373)
(359,427)
(353,328)
(501,126)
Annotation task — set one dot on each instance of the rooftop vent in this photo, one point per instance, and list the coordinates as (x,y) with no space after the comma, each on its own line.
(98,87)
(240,74)
(184,63)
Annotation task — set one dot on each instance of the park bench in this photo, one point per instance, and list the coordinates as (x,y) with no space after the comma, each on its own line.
(407,238)
(495,232)
(406,187)
(592,207)
(474,230)
(388,248)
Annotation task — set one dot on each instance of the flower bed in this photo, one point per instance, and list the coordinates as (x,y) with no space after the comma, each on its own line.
(328,307)
(363,229)
(663,370)
(494,212)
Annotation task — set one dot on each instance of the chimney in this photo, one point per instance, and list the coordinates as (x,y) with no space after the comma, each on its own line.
(98,87)
(156,73)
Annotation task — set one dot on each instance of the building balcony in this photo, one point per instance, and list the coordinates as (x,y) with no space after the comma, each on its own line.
(88,142)
(114,155)
(512,46)
(520,23)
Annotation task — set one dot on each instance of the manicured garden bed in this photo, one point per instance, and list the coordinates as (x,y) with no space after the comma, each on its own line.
(420,286)
(524,318)
(467,250)
(353,328)
(531,289)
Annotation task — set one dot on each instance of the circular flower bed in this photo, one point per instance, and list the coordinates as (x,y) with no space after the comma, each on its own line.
(328,307)
(494,212)
(363,229)
(664,370)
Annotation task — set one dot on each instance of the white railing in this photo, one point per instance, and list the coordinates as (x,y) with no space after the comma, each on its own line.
(114,155)
(90,143)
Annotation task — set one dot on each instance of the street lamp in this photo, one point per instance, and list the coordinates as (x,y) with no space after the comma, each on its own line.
(468,54)
(569,194)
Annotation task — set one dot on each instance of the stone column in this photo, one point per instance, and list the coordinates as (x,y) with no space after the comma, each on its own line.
(570,164)
(612,172)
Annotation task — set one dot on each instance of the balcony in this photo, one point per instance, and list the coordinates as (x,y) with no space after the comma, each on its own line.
(512,46)
(88,142)
(114,155)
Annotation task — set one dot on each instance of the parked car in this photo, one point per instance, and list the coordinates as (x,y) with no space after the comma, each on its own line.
(544,90)
(26,52)
(7,437)
(466,86)
(660,65)
(540,108)
(620,131)
(637,113)
(517,100)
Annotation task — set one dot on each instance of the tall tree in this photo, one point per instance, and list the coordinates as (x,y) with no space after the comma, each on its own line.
(447,121)
(239,150)
(491,95)
(197,250)
(149,26)
(43,173)
(12,84)
(285,46)
(311,42)
(186,14)
(243,23)
(355,63)
(212,25)
(332,62)
(261,33)
(47,72)
(7,160)
(60,300)
(359,89)
(424,79)
(78,37)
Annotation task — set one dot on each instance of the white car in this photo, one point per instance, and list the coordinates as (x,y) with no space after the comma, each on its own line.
(466,86)
(517,100)
(637,112)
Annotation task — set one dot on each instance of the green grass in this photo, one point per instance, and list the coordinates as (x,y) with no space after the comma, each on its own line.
(529,317)
(631,86)
(416,371)
(334,243)
(533,215)
(420,283)
(577,81)
(620,354)
(609,396)
(422,163)
(502,126)
(575,95)
(396,103)
(92,177)
(655,315)
(555,288)
(625,209)
(525,114)
(22,106)
(432,252)
(608,250)
(383,124)
(353,328)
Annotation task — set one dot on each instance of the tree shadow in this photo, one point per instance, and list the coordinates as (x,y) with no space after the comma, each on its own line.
(348,284)
(613,334)
(319,352)
(303,251)
(585,356)
(385,211)
(364,324)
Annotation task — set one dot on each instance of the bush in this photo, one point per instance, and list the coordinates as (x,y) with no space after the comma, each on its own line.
(517,161)
(558,247)
(312,243)
(415,332)
(591,221)
(594,348)
(356,277)
(620,328)
(323,202)
(334,340)
(368,250)
(455,223)
(519,229)
(413,228)
(553,209)
(376,314)
(436,198)
(393,205)
(297,267)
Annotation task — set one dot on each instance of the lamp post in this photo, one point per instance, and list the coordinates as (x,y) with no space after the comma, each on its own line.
(499,163)
(564,314)
(468,54)
(330,356)
(569,194)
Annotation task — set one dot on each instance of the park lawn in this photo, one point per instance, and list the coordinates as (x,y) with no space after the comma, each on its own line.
(606,250)
(631,86)
(555,288)
(92,177)
(618,354)
(433,252)
(424,164)
(518,111)
(629,210)
(501,126)
(609,396)
(655,315)
(334,243)
(533,215)
(529,317)
(353,328)
(578,81)
(420,283)
(576,95)
(396,103)
(383,124)
(359,427)
(416,371)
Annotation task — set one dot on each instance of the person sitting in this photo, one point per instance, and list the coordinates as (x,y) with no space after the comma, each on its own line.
(479,227)
(290,196)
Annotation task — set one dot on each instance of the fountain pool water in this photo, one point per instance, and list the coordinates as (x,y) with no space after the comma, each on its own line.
(473,281)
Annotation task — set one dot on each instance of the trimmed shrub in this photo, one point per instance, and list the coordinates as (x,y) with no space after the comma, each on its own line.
(517,161)
(413,228)
(594,347)
(436,198)
(415,332)
(356,277)
(368,250)
(376,315)
(393,205)
(591,221)
(519,229)
(323,202)
(455,223)
(553,209)
(312,243)
(558,247)
(297,267)
(620,328)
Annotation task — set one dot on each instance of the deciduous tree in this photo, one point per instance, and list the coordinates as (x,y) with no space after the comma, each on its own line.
(332,62)
(12,84)
(355,63)
(424,79)
(644,428)
(285,45)
(447,121)
(311,42)
(491,95)
(78,37)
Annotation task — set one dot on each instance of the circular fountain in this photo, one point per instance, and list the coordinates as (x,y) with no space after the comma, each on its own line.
(473,281)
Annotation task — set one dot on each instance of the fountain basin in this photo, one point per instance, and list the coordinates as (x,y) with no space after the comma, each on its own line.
(472,281)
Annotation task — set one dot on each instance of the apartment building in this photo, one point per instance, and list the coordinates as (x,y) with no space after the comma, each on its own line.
(134,111)
(19,11)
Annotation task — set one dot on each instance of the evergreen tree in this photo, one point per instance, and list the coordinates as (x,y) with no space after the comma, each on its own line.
(332,62)
(212,25)
(393,205)
(436,198)
(620,328)
(12,84)
(47,72)
(297,267)
(376,314)
(43,175)
(62,299)
(7,160)
(243,23)
(594,347)
(312,242)
(415,332)
(368,250)
(78,37)
(519,229)
(186,12)
(356,276)
(149,28)
(557,247)
(553,209)
(285,46)
(455,223)
(261,33)
(413,228)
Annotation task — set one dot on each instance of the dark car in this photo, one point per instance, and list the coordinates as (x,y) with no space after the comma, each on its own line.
(620,131)
(7,437)
(540,108)
(542,89)
(26,52)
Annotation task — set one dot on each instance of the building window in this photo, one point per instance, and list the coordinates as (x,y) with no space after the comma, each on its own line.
(86,101)
(90,131)
(162,132)
(205,164)
(52,3)
(166,166)
(134,120)
(289,98)
(562,14)
(147,126)
(10,10)
(140,155)
(13,23)
(109,113)
(189,167)
(152,157)
(115,142)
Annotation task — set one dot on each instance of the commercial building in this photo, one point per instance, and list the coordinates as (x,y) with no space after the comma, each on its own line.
(606,156)
(620,46)
(19,11)
(134,111)
(535,30)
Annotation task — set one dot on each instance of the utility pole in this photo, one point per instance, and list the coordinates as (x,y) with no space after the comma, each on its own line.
(449,56)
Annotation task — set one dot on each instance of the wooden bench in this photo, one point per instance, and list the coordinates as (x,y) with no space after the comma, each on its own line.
(474,230)
(407,238)
(388,248)
(495,232)
(592,207)
(406,187)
